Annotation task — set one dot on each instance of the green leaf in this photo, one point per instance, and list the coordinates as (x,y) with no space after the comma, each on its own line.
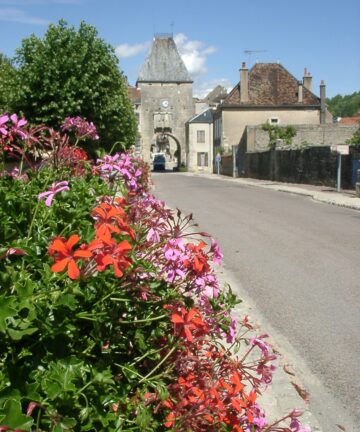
(7,311)
(19,334)
(11,415)
(61,377)
(67,300)
(66,424)
(104,377)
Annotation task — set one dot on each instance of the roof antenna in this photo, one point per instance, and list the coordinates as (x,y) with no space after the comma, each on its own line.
(249,53)
(172,28)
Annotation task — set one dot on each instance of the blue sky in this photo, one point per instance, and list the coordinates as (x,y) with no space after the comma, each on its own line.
(212,35)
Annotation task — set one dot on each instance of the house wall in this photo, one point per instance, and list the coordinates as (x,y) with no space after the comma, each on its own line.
(181,108)
(306,135)
(194,147)
(234,122)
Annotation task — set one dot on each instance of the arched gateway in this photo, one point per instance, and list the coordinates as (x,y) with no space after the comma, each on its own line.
(168,145)
(166,102)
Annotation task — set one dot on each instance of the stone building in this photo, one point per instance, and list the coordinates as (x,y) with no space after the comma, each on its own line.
(135,98)
(268,93)
(199,139)
(166,102)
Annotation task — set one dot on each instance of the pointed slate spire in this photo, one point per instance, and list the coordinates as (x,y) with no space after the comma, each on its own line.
(164,63)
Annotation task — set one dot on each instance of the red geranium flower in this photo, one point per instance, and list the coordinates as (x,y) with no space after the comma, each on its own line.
(199,261)
(109,252)
(187,323)
(66,257)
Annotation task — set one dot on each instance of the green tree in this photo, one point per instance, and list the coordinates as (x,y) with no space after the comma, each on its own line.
(7,84)
(355,139)
(73,72)
(344,106)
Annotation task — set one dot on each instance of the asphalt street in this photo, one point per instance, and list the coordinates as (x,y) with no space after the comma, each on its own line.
(298,261)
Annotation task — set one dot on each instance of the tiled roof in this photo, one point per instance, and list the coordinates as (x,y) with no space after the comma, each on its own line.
(351,120)
(271,84)
(134,94)
(164,63)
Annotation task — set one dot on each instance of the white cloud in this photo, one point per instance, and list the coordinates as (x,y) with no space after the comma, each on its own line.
(203,88)
(194,54)
(126,50)
(17,15)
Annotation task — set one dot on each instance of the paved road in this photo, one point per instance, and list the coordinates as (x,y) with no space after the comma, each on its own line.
(299,261)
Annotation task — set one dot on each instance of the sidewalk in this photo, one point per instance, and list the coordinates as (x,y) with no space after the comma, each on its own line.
(325,194)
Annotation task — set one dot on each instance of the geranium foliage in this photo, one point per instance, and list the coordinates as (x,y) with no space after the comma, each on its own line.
(111,315)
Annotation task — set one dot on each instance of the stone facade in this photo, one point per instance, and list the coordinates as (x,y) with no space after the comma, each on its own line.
(199,139)
(307,135)
(166,102)
(267,93)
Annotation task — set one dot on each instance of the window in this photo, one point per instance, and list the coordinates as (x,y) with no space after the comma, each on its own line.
(274,120)
(200,136)
(217,132)
(202,159)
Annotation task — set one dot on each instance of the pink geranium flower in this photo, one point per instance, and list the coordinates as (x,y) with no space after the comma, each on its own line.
(82,128)
(3,119)
(17,126)
(54,189)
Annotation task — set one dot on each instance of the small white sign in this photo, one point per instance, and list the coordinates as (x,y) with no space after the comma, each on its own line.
(343,149)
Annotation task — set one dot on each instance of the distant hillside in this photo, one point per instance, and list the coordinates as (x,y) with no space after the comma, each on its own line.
(344,106)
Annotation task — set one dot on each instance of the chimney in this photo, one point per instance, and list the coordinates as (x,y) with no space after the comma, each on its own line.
(300,92)
(244,83)
(307,80)
(322,102)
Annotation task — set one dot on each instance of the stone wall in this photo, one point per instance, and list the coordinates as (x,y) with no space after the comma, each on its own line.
(318,135)
(234,122)
(315,165)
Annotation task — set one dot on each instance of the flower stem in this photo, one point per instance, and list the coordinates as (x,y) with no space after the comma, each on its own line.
(144,320)
(159,364)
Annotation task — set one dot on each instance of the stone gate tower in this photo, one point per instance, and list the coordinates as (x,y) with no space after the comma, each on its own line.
(166,102)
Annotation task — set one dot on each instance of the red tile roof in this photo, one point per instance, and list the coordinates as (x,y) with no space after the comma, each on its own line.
(134,94)
(351,120)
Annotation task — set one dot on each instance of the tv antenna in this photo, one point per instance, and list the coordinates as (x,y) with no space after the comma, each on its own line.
(249,53)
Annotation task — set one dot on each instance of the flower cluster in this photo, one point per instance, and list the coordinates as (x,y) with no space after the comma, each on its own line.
(80,127)
(12,126)
(120,166)
(104,251)
(208,387)
(212,386)
(216,389)
(11,129)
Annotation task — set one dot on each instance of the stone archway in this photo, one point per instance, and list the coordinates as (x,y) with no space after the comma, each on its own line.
(177,152)
(171,148)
